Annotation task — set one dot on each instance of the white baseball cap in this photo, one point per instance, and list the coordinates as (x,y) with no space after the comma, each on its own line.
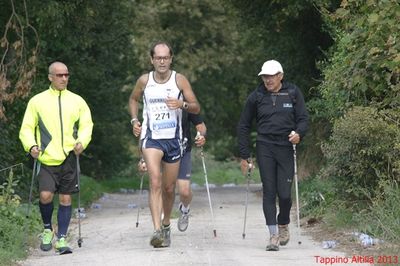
(271,67)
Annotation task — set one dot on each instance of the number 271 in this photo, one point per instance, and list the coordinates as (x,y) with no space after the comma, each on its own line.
(162,116)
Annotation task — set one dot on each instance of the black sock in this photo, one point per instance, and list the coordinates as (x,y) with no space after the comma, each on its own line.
(63,218)
(165,225)
(46,210)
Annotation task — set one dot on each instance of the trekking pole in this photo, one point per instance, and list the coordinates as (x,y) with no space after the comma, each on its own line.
(247,200)
(30,195)
(140,199)
(208,190)
(31,188)
(78,171)
(297,192)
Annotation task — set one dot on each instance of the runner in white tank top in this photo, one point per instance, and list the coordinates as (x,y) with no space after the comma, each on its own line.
(163,103)
(160,122)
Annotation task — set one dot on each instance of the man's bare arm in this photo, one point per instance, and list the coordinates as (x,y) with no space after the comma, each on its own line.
(193,105)
(134,99)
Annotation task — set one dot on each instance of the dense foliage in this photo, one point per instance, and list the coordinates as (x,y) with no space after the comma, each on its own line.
(291,32)
(364,70)
(360,93)
(92,39)
(19,45)
(363,151)
(106,47)
(344,55)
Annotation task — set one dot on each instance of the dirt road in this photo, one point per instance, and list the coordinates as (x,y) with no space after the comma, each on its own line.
(110,236)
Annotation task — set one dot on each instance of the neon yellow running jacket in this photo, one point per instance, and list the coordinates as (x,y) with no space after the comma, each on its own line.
(55,121)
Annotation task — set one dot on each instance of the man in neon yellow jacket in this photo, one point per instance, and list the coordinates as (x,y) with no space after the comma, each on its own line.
(57,126)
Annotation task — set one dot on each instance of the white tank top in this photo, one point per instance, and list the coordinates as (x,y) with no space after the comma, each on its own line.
(160,122)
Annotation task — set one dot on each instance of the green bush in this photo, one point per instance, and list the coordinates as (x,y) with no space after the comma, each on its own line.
(15,224)
(364,68)
(18,230)
(363,150)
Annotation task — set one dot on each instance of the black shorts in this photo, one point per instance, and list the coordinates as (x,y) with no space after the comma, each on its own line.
(185,167)
(170,147)
(61,178)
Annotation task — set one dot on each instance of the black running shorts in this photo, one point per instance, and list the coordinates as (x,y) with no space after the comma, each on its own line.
(185,167)
(61,178)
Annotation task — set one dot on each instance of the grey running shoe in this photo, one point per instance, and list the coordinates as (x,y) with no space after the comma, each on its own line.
(166,233)
(283,234)
(157,239)
(47,238)
(273,243)
(183,221)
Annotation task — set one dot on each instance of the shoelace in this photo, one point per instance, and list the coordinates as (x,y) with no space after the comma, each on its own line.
(62,242)
(45,236)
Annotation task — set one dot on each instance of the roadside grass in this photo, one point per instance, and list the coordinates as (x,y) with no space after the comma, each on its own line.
(219,172)
(340,219)
(18,231)
(90,191)
(16,224)
(383,215)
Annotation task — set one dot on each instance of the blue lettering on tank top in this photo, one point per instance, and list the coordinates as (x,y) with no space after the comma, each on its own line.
(164,125)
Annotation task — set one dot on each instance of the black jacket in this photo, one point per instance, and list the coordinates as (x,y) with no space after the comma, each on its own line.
(277,114)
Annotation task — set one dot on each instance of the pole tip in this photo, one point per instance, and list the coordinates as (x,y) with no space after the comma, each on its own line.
(299,242)
(243,236)
(137,224)
(215,233)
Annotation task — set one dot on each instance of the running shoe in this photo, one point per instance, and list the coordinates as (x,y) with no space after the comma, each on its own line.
(273,243)
(62,246)
(284,235)
(47,238)
(157,239)
(183,221)
(166,232)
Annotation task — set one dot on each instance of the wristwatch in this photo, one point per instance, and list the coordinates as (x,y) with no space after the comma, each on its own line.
(133,120)
(185,105)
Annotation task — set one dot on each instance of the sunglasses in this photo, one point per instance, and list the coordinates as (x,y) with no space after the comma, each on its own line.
(61,75)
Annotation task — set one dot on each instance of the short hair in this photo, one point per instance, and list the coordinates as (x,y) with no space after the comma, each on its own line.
(153,46)
(53,63)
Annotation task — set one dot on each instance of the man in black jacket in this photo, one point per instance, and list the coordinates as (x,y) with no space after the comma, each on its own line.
(281,120)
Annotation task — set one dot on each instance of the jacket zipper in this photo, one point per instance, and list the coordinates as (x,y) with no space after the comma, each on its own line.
(273,97)
(61,123)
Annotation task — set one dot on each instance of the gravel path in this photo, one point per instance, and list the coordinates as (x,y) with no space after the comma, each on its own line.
(110,235)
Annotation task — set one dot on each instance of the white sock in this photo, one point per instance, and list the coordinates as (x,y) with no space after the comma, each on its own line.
(273,229)
(185,209)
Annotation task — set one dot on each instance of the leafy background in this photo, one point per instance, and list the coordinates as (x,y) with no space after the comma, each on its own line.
(344,55)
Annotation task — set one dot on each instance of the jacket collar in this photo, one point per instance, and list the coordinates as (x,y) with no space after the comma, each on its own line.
(57,92)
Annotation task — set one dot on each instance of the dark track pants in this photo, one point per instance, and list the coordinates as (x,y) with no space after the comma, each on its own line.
(276,170)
